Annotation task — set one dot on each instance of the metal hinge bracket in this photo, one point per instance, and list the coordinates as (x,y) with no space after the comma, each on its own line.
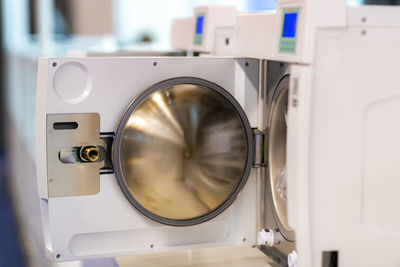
(258,147)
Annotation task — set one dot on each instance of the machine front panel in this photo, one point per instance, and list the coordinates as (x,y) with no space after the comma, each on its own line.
(91,223)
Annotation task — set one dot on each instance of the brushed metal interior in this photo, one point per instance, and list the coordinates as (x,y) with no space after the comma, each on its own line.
(277,155)
(183,151)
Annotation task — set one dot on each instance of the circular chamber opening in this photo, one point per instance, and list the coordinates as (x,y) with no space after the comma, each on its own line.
(183,151)
(277,156)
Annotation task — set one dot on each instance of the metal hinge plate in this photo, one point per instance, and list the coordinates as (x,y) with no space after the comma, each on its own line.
(258,147)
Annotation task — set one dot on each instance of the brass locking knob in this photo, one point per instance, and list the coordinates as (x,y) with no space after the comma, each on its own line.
(89,153)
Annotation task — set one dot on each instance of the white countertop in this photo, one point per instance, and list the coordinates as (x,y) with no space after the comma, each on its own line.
(207,257)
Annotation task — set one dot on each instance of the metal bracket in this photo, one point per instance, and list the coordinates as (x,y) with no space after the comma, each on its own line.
(76,153)
(259,143)
(108,139)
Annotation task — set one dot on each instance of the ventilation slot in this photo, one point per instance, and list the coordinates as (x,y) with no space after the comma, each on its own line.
(65,125)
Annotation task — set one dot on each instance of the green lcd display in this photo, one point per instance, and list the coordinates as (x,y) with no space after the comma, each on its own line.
(288,37)
(199,29)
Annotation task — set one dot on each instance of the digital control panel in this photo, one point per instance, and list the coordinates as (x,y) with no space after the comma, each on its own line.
(289,26)
(198,34)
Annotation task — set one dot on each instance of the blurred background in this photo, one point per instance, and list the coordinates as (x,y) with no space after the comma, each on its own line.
(54,28)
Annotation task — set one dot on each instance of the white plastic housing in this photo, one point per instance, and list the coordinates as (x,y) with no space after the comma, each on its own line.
(106,224)
(313,14)
(254,35)
(214,17)
(182,33)
(343,163)
(218,23)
